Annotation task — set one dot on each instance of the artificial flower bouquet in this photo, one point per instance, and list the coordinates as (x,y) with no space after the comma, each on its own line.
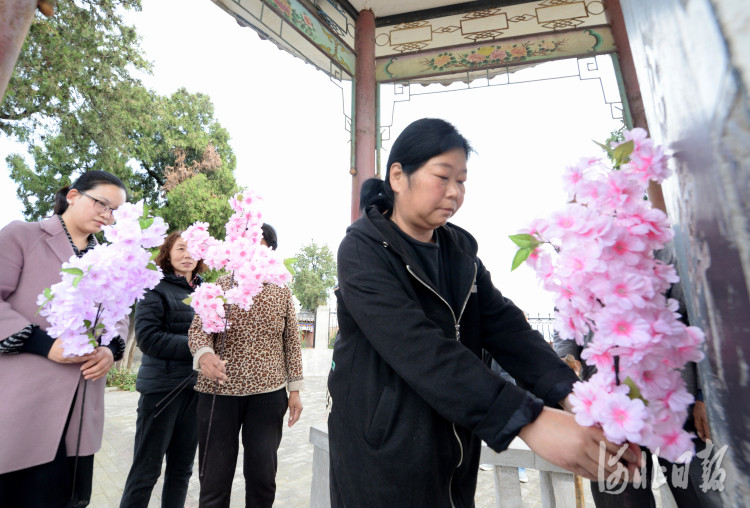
(99,288)
(250,263)
(597,256)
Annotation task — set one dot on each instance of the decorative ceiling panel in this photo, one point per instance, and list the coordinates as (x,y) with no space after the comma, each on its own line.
(383,8)
(437,65)
(488,25)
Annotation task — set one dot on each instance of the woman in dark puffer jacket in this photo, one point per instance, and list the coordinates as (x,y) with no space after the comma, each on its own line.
(167,421)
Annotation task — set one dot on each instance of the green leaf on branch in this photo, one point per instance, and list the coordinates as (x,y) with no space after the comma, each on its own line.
(151,266)
(289,264)
(525,241)
(77,280)
(621,153)
(154,254)
(49,296)
(146,223)
(87,323)
(521,256)
(635,392)
(606,148)
(72,271)
(188,300)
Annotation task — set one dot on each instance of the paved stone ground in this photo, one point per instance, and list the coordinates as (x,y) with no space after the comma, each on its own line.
(112,463)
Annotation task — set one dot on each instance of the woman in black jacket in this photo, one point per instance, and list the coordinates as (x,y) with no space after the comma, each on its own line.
(411,397)
(167,420)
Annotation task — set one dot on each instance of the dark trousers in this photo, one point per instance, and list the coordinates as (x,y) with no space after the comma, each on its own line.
(50,485)
(260,419)
(172,433)
(688,496)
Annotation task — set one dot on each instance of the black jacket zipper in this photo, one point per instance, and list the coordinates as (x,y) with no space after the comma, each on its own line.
(457,326)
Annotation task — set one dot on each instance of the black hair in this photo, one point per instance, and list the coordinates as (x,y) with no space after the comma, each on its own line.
(269,235)
(85,182)
(419,142)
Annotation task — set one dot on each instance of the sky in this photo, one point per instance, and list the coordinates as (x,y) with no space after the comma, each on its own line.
(288,130)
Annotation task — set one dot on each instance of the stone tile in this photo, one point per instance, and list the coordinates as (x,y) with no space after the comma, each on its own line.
(293,479)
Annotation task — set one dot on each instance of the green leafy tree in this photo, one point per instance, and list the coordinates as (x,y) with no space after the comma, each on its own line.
(80,57)
(199,192)
(156,124)
(74,99)
(314,275)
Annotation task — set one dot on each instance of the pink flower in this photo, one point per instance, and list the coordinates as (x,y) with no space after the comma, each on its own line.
(669,440)
(622,328)
(600,356)
(582,400)
(626,249)
(622,419)
(498,54)
(624,290)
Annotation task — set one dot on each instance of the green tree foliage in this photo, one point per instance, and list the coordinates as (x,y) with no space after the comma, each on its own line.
(74,100)
(314,275)
(199,192)
(80,57)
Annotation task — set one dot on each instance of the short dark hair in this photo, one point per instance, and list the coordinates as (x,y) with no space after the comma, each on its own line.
(85,182)
(421,141)
(162,259)
(269,235)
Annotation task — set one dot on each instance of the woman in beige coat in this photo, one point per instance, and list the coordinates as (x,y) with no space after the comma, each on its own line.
(40,389)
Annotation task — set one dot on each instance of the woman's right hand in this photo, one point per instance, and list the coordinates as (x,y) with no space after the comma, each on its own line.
(556,437)
(213,367)
(56,354)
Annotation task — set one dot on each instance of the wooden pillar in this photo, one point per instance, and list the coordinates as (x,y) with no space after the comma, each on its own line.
(365,106)
(15,19)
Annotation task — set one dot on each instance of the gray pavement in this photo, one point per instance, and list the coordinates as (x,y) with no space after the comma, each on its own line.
(112,463)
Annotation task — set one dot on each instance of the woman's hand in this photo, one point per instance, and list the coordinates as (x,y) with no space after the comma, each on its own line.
(97,364)
(701,420)
(556,437)
(56,354)
(295,407)
(213,367)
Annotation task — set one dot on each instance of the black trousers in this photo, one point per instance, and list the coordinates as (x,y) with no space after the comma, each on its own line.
(173,433)
(686,496)
(260,419)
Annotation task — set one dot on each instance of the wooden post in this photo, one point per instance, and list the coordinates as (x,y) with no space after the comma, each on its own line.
(365,106)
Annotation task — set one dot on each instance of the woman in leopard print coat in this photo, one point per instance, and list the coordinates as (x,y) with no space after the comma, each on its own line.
(261,361)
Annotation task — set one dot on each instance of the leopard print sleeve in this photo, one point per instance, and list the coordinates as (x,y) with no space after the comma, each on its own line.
(292,346)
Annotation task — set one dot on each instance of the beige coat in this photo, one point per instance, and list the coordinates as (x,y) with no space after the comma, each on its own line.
(36,393)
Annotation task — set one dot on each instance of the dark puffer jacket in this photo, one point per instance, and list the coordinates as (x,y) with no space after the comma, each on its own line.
(162,321)
(411,398)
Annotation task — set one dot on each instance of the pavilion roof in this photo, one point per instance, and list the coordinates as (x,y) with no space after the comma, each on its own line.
(430,40)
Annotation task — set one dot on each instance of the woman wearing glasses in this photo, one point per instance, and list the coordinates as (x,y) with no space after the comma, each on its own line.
(40,389)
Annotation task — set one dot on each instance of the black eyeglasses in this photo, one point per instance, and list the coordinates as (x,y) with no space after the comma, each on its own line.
(99,205)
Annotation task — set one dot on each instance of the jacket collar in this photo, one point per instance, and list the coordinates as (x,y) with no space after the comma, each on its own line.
(181,281)
(57,240)
(462,247)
